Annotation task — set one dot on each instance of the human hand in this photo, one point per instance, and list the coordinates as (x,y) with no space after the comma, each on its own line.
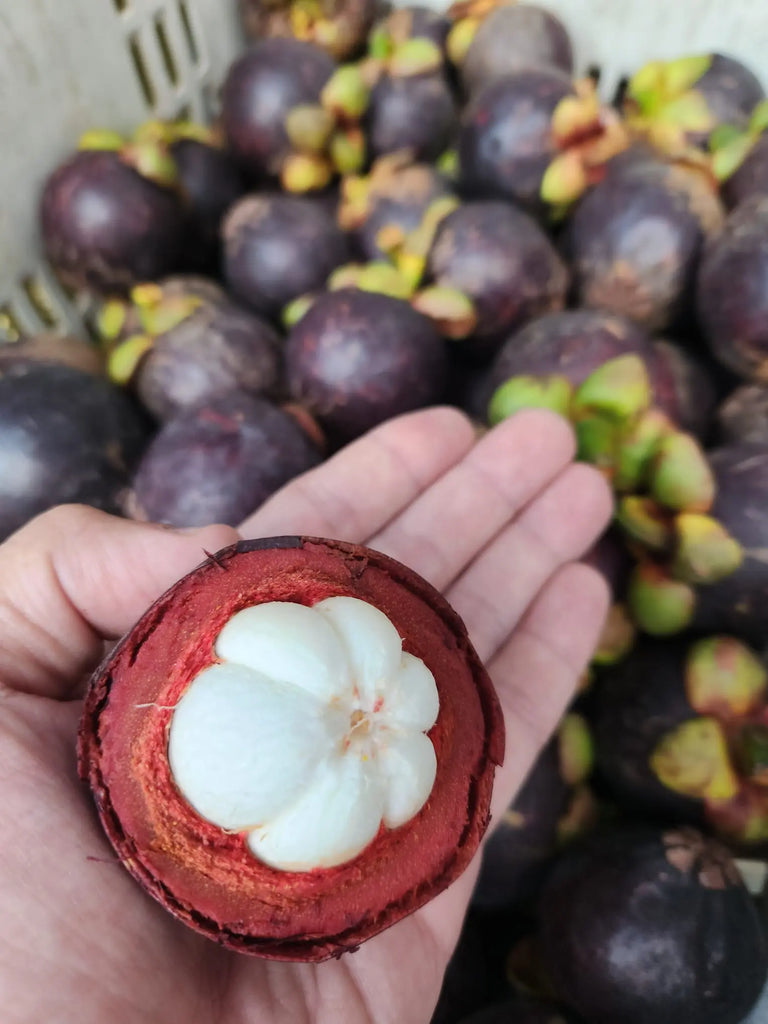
(496,524)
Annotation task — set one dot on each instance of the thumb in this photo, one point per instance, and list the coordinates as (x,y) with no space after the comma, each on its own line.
(74,577)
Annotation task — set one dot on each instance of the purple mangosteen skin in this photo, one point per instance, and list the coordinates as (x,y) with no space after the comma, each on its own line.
(610,557)
(357,358)
(733,291)
(743,416)
(730,89)
(523,842)
(634,928)
(401,203)
(262,86)
(499,257)
(515,38)
(65,436)
(415,112)
(105,227)
(751,178)
(638,701)
(211,182)
(217,462)
(505,138)
(278,247)
(738,604)
(636,238)
(219,347)
(683,387)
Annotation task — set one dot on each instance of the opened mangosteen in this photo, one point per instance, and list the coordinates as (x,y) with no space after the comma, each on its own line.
(358,358)
(66,435)
(640,925)
(112,217)
(411,105)
(524,841)
(739,602)
(733,291)
(277,248)
(217,461)
(510,38)
(339,27)
(680,733)
(262,87)
(636,238)
(499,258)
(506,142)
(177,346)
(294,747)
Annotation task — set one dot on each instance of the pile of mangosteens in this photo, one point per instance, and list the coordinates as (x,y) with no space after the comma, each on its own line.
(395,208)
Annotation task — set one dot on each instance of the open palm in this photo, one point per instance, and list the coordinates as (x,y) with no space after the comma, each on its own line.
(495,523)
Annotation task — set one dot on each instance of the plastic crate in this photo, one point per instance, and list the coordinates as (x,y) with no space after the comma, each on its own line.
(69,65)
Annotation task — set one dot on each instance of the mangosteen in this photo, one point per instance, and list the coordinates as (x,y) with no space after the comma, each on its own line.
(683,387)
(680,735)
(739,603)
(66,435)
(636,238)
(743,416)
(751,176)
(640,925)
(279,247)
(573,343)
(733,291)
(512,38)
(730,89)
(261,88)
(467,983)
(339,27)
(211,182)
(358,358)
(523,843)
(411,21)
(216,462)
(412,109)
(359,726)
(188,347)
(499,258)
(388,203)
(505,141)
(609,556)
(106,226)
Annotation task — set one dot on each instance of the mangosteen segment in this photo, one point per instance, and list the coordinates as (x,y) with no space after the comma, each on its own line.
(308,733)
(255,689)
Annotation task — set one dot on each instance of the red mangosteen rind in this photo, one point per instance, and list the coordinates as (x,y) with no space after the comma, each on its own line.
(204,875)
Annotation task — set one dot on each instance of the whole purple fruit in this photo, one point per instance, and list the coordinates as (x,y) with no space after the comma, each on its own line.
(66,435)
(733,291)
(505,140)
(277,247)
(501,259)
(106,227)
(414,112)
(639,925)
(636,238)
(357,358)
(512,38)
(270,79)
(217,462)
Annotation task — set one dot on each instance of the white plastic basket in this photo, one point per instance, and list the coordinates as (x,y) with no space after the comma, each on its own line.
(69,65)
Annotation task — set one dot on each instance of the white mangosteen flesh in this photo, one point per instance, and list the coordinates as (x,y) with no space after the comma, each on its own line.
(309,733)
